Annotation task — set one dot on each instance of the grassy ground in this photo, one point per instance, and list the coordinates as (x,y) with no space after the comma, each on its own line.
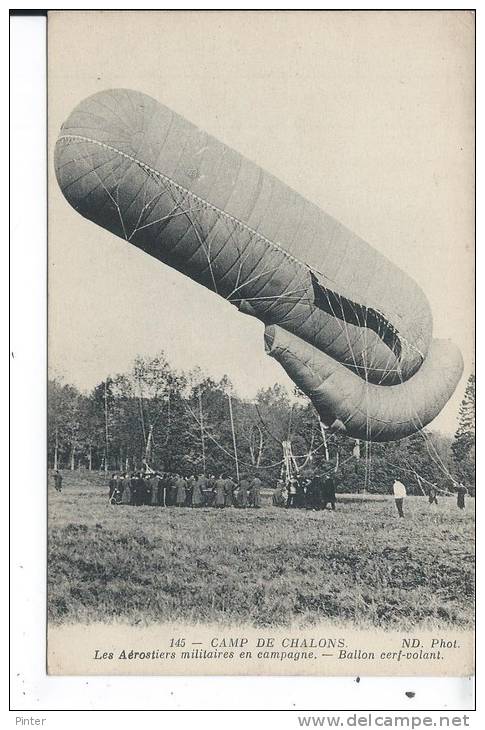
(271,566)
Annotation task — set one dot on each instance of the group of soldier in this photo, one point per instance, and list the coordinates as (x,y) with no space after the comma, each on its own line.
(174,490)
(313,493)
(166,490)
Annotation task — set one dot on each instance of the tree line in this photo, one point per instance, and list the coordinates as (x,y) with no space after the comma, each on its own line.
(188,423)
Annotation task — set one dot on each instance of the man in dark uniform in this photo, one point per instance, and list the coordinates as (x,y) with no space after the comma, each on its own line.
(162,489)
(58,480)
(166,489)
(328,491)
(133,489)
(220,497)
(242,494)
(313,493)
(433,495)
(292,493)
(256,492)
(153,485)
(115,489)
(118,490)
(198,491)
(229,488)
(210,493)
(111,486)
(172,489)
(189,490)
(300,492)
(140,490)
(147,488)
(137,489)
(181,487)
(126,490)
(279,499)
(460,496)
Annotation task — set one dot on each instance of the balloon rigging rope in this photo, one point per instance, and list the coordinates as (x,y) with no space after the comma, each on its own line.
(437,460)
(209,435)
(416,473)
(205,203)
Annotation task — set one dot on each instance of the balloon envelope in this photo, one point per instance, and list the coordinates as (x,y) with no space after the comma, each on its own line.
(149,176)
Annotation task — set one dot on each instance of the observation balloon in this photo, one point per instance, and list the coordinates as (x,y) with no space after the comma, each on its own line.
(351,329)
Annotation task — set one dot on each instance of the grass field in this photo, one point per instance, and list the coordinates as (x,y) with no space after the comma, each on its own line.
(360,565)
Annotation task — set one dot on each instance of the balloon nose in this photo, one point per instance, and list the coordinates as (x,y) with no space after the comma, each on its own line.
(118,118)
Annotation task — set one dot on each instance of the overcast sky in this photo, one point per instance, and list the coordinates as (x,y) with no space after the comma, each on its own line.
(369,115)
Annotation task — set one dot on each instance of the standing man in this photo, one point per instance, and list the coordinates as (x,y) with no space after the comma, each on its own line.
(229,488)
(162,488)
(189,489)
(210,491)
(112,486)
(328,494)
(181,491)
(116,498)
(126,490)
(291,501)
(134,490)
(242,494)
(154,496)
(432,496)
(220,487)
(300,492)
(314,492)
(141,490)
(460,496)
(399,494)
(58,480)
(256,492)
(147,489)
(172,490)
(197,492)
(278,494)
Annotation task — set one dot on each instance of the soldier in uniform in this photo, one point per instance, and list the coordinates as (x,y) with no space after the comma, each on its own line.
(229,487)
(210,492)
(197,492)
(162,489)
(256,492)
(279,499)
(154,492)
(328,492)
(58,480)
(189,489)
(433,495)
(220,496)
(460,496)
(126,496)
(137,488)
(300,493)
(111,486)
(314,492)
(292,493)
(243,492)
(181,492)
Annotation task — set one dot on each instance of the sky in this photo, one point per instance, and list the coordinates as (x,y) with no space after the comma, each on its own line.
(368,114)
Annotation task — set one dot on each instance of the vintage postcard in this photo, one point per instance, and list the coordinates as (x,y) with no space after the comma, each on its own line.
(261,397)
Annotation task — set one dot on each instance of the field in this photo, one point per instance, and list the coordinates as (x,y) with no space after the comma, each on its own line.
(360,565)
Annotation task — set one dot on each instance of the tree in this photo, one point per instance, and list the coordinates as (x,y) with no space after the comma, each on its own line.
(181,422)
(463,446)
(63,423)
